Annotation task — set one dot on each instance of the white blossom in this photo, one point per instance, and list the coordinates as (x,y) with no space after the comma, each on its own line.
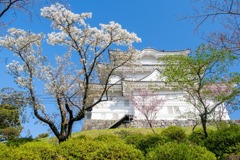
(63,80)
(62,17)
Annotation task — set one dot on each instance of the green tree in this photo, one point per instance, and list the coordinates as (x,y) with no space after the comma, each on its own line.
(9,116)
(13,97)
(12,104)
(10,124)
(205,79)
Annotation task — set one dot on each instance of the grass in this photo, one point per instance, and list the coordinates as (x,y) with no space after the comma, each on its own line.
(96,133)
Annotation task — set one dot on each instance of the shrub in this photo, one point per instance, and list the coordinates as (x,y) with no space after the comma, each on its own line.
(35,151)
(43,135)
(232,157)
(100,148)
(174,133)
(123,133)
(6,152)
(225,140)
(144,142)
(197,137)
(109,138)
(113,151)
(19,141)
(78,148)
(135,139)
(176,151)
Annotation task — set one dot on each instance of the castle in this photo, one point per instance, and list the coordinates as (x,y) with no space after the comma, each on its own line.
(119,110)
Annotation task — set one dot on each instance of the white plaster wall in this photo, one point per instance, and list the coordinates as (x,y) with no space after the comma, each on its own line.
(115,79)
(111,110)
(115,109)
(149,60)
(171,109)
(154,76)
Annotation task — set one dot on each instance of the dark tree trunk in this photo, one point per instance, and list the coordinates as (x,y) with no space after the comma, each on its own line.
(204,124)
(150,124)
(62,139)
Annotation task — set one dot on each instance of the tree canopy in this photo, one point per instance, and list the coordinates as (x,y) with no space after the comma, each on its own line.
(9,116)
(12,104)
(70,85)
(224,13)
(204,77)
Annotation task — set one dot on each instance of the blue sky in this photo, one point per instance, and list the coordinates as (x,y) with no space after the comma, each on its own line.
(156,22)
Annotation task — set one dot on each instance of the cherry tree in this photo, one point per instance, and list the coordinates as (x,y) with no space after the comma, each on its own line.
(76,88)
(147,103)
(225,14)
(14,7)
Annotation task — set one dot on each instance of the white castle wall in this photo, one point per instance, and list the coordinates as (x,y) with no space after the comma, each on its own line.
(118,106)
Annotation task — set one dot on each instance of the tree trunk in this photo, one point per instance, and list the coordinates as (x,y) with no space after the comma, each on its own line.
(150,125)
(152,128)
(204,124)
(62,139)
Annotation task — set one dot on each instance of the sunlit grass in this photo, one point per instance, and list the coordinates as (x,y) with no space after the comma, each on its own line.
(145,131)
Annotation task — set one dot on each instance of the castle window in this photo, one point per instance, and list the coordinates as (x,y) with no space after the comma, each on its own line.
(89,114)
(126,102)
(173,110)
(176,110)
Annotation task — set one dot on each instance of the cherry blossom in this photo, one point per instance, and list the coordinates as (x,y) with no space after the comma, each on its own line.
(75,88)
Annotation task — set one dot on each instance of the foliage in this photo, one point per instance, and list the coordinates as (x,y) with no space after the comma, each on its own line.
(42,135)
(176,151)
(12,104)
(16,142)
(117,151)
(174,133)
(10,96)
(10,133)
(225,140)
(232,157)
(10,125)
(205,78)
(9,116)
(28,151)
(129,131)
(123,133)
(101,149)
(145,142)
(16,100)
(35,151)
(71,86)
(109,138)
(197,137)
(78,148)
(5,152)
